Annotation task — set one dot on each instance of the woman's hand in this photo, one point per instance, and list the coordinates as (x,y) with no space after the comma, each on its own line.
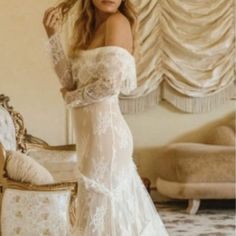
(52,20)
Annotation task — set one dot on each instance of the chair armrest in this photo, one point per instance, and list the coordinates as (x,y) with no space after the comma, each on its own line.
(68,147)
(58,193)
(54,159)
(48,208)
(35,142)
(7,183)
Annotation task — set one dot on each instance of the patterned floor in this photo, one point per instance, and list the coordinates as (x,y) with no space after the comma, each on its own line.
(214,218)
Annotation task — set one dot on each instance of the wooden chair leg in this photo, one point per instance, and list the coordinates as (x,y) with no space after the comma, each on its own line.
(193,206)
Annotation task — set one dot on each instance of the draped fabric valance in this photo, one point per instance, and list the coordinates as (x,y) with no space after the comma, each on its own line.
(188,55)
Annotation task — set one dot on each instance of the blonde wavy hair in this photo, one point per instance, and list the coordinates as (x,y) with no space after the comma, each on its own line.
(85,23)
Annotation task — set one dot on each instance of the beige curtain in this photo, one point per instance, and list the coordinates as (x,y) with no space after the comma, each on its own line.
(187,55)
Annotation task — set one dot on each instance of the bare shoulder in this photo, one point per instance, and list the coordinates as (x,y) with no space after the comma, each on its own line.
(118,31)
(118,19)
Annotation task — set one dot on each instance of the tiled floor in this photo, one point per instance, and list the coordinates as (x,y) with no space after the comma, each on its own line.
(214,218)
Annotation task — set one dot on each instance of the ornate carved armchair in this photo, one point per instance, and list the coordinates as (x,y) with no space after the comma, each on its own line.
(28,209)
(59,160)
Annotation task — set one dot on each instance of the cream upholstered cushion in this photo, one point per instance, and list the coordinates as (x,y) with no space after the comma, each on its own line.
(21,167)
(197,162)
(222,134)
(33,213)
(62,164)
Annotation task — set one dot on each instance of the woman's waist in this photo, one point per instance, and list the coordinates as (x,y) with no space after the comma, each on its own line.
(106,104)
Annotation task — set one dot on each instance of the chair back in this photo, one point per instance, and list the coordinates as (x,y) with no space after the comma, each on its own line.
(7,130)
(12,131)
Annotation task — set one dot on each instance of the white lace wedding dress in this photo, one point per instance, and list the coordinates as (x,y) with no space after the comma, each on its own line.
(112,200)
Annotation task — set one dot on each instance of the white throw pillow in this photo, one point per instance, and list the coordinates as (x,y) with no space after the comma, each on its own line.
(21,167)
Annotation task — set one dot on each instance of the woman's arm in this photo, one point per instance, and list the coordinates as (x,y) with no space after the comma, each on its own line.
(110,73)
(52,22)
(111,70)
(118,32)
(60,62)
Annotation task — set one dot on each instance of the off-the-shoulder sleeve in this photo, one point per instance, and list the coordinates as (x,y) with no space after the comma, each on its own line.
(59,61)
(110,72)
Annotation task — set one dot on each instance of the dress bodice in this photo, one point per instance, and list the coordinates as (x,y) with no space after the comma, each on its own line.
(95,63)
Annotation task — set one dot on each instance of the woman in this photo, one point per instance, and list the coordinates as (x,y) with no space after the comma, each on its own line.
(112,200)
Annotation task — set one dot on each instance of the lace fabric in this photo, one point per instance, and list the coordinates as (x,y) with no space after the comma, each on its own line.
(112,200)
(59,61)
(27,213)
(109,74)
(112,73)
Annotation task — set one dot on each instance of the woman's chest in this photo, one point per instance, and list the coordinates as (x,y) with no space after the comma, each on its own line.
(100,63)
